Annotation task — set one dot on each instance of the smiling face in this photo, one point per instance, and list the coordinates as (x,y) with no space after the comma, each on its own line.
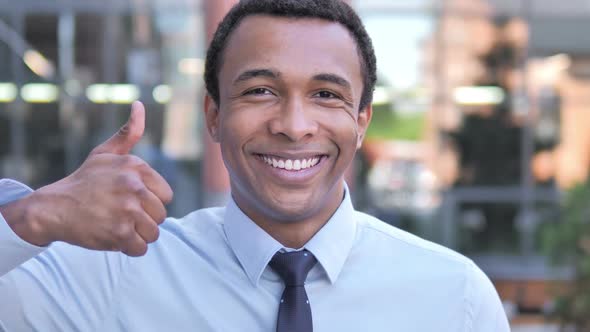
(288,118)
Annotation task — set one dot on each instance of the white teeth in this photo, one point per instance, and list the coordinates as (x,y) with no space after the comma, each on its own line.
(289,164)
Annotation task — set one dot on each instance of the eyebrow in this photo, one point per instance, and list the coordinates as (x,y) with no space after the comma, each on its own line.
(274,74)
(252,73)
(332,78)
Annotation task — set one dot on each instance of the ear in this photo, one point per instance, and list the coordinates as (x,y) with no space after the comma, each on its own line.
(363,121)
(212,117)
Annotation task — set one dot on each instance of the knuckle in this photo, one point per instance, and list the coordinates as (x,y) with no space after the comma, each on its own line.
(142,192)
(127,133)
(154,234)
(138,248)
(123,231)
(169,195)
(104,243)
(129,206)
(131,184)
(142,249)
(142,166)
(113,245)
(130,161)
(134,161)
(124,130)
(162,216)
(127,180)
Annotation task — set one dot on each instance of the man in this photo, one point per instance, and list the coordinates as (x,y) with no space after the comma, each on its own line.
(289,99)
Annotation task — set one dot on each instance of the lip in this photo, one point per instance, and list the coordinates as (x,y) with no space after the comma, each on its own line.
(291,177)
(293,155)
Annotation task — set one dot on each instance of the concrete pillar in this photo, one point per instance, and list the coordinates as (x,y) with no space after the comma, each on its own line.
(573,153)
(215,179)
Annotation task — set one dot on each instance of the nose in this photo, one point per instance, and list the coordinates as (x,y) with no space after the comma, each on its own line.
(294,121)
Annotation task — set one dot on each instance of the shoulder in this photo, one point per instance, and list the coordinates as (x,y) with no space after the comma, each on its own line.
(436,266)
(374,231)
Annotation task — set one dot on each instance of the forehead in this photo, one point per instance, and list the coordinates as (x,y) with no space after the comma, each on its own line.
(291,45)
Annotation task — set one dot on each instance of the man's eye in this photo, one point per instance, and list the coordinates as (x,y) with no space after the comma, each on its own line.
(326,94)
(258,91)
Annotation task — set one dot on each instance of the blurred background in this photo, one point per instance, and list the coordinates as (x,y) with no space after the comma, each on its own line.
(480,139)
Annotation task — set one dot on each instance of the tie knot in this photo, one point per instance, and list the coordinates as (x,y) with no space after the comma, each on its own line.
(293,267)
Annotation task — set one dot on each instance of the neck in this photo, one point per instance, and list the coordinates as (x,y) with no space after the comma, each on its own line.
(295,232)
(293,235)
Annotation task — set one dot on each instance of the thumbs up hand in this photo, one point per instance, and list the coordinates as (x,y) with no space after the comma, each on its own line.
(114,201)
(125,139)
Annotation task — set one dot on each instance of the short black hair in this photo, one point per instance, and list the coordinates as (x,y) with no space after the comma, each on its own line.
(330,10)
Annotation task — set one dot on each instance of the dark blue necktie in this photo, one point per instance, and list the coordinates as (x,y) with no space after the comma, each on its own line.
(294,309)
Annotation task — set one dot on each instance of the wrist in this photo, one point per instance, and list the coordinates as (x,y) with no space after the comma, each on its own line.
(25,217)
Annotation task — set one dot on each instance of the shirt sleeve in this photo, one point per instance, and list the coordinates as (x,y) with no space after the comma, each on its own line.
(486,311)
(58,288)
(14,250)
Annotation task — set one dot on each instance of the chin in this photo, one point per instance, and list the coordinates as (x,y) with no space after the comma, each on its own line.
(290,212)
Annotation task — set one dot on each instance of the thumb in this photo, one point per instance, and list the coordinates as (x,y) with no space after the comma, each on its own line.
(128,135)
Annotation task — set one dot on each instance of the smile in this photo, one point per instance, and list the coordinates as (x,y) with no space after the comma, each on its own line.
(291,164)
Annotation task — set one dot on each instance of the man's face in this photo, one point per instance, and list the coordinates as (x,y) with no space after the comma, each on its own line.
(288,121)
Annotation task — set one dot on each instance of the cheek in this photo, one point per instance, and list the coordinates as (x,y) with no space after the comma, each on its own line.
(238,127)
(230,138)
(235,126)
(343,130)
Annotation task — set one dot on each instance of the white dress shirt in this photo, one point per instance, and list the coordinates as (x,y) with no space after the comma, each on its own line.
(209,272)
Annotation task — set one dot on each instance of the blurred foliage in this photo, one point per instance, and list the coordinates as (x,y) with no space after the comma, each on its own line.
(568,242)
(391,125)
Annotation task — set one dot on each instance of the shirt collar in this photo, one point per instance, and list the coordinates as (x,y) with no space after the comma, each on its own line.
(254,248)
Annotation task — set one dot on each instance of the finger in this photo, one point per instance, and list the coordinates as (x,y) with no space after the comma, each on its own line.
(128,135)
(153,206)
(157,184)
(136,246)
(148,230)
